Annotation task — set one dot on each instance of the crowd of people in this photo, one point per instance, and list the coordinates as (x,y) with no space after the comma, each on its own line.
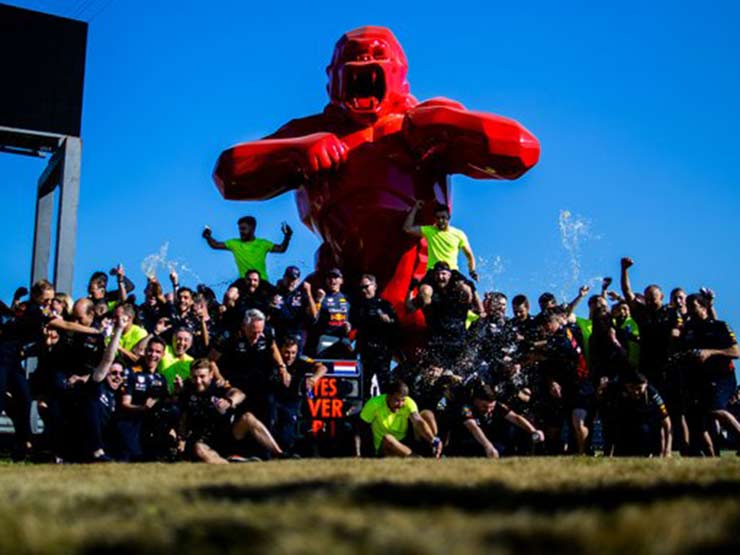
(183,375)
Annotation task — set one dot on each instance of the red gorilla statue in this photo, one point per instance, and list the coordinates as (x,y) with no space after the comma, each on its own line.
(360,165)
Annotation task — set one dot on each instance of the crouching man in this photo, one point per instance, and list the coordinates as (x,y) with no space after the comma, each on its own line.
(488,427)
(212,424)
(386,417)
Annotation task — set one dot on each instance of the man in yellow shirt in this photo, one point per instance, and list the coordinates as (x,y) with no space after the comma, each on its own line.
(444,242)
(132,336)
(388,417)
(250,252)
(176,361)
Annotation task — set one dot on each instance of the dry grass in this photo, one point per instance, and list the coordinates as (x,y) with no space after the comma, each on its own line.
(541,505)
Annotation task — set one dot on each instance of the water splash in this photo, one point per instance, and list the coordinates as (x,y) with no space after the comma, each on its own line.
(490,271)
(160,260)
(575,231)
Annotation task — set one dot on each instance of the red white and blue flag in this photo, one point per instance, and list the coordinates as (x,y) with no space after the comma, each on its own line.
(345,367)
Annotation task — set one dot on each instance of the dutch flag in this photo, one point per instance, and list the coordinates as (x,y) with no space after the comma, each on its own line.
(345,367)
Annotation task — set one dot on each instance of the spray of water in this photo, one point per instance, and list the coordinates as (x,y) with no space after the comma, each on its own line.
(575,231)
(159,260)
(490,271)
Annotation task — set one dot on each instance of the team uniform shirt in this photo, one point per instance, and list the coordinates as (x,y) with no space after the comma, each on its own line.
(565,364)
(104,397)
(715,378)
(443,246)
(628,334)
(491,339)
(383,421)
(373,334)
(648,408)
(204,420)
(249,367)
(142,385)
(27,328)
(302,368)
(607,359)
(149,314)
(446,317)
(51,369)
(85,351)
(131,337)
(655,334)
(259,298)
(526,328)
(711,334)
(586,328)
(333,315)
(188,320)
(172,366)
(250,255)
(288,315)
(487,422)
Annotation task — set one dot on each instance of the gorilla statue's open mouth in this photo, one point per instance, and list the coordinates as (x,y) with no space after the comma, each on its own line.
(364,87)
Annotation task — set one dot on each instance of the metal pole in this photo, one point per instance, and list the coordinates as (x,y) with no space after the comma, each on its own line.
(42,233)
(69,185)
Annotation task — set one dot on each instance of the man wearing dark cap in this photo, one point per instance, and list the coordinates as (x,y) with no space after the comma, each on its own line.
(291,306)
(445,304)
(332,327)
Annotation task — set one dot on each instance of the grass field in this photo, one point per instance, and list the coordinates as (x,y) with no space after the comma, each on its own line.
(535,505)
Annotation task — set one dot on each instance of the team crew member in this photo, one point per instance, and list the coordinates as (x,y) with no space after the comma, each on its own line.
(183,314)
(292,306)
(377,332)
(18,339)
(714,346)
(142,395)
(486,426)
(254,292)
(250,252)
(251,362)
(522,327)
(133,335)
(174,364)
(210,424)
(643,424)
(489,337)
(444,242)
(304,372)
(99,401)
(388,417)
(659,326)
(445,306)
(570,393)
(332,324)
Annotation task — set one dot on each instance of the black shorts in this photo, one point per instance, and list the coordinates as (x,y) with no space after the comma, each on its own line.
(719,391)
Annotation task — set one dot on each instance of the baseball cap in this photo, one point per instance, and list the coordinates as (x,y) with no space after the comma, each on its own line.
(293,272)
(442,265)
(334,272)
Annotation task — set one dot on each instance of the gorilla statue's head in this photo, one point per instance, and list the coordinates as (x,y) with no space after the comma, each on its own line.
(367,75)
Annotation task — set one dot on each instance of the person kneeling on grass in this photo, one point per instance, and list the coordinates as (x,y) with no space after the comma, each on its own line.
(211,422)
(489,427)
(387,417)
(643,425)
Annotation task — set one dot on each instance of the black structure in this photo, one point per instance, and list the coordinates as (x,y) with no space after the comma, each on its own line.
(42,64)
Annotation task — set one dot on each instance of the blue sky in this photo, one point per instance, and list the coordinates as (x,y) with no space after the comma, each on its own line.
(635,105)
